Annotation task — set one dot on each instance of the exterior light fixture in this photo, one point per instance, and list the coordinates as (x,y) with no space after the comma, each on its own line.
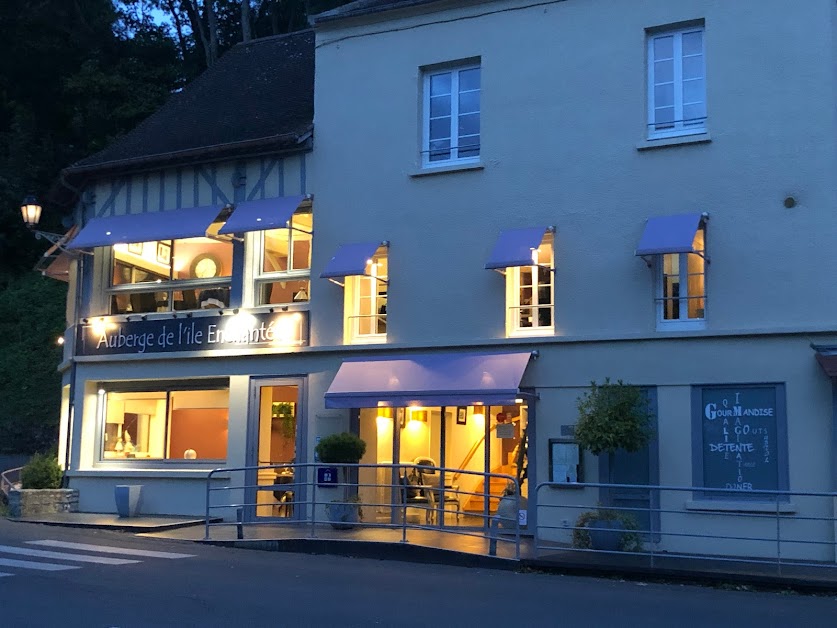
(31,211)
(60,340)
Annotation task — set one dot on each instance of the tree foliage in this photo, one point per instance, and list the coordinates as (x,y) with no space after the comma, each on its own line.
(613,416)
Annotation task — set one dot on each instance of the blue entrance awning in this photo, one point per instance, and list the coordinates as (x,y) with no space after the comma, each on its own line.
(268,213)
(669,234)
(169,225)
(432,379)
(514,247)
(350,260)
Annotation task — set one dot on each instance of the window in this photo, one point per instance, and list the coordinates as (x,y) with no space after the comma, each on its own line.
(681,293)
(530,293)
(167,275)
(741,441)
(366,302)
(676,83)
(285,267)
(155,424)
(451,118)
(565,461)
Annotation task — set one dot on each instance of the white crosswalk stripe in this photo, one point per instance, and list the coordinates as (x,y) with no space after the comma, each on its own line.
(3,575)
(79,558)
(109,549)
(29,564)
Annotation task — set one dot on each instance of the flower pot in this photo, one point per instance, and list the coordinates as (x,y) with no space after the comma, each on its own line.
(127,498)
(606,534)
(343,516)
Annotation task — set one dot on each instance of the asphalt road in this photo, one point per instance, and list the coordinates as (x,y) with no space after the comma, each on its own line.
(229,587)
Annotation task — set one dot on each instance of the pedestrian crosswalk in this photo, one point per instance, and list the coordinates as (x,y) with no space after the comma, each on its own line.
(51,560)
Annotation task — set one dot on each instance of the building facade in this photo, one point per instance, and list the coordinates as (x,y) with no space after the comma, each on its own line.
(509,202)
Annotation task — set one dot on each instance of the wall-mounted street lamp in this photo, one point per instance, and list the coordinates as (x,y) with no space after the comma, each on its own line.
(31,210)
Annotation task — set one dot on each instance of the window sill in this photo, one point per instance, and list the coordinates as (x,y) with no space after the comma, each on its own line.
(696,325)
(534,333)
(453,167)
(369,340)
(708,505)
(680,140)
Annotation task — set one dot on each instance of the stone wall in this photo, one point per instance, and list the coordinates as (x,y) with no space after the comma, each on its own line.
(35,502)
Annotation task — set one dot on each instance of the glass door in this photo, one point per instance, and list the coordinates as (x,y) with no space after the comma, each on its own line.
(278,414)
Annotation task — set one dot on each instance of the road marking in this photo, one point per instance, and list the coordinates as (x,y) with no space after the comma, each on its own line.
(81,558)
(28,564)
(108,549)
(3,575)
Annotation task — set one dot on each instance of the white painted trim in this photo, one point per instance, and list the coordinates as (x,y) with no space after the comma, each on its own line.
(454,117)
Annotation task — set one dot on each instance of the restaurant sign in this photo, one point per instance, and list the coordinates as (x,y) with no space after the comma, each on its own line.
(115,336)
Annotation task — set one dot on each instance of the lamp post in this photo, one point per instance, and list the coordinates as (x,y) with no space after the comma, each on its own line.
(31,210)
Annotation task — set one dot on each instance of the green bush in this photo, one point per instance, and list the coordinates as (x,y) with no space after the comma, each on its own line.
(613,416)
(341,448)
(41,472)
(631,539)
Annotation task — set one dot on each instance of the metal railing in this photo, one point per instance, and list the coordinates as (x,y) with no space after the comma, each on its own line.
(9,480)
(667,526)
(308,502)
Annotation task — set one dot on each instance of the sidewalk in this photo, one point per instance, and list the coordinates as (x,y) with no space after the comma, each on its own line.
(104,521)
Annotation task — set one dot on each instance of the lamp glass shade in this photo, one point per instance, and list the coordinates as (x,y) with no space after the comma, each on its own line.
(31,211)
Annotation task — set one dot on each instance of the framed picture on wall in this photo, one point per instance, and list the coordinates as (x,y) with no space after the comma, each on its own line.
(135,248)
(462,415)
(164,253)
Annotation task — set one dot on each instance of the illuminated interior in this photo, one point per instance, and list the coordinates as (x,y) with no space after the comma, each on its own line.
(278,414)
(165,425)
(531,292)
(285,267)
(148,275)
(474,438)
(687,270)
(366,298)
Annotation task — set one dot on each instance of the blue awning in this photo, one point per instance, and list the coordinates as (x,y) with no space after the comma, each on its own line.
(669,234)
(514,247)
(350,260)
(432,379)
(168,225)
(268,213)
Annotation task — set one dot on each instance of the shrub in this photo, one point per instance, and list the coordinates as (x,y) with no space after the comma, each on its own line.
(41,472)
(345,447)
(613,416)
(631,540)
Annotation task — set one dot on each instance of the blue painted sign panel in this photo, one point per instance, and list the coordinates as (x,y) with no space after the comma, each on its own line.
(740,437)
(117,336)
(326,476)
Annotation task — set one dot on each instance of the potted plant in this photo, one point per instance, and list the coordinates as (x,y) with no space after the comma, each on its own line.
(283,412)
(607,530)
(341,449)
(611,416)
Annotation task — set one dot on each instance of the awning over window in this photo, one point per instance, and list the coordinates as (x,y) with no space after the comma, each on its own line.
(433,379)
(169,225)
(268,213)
(514,247)
(350,260)
(669,234)
(827,358)
(55,262)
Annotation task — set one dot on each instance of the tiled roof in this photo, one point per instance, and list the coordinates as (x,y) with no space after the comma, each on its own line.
(258,96)
(363,7)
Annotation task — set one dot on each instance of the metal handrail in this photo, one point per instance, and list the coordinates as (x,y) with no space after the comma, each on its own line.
(6,481)
(768,505)
(305,482)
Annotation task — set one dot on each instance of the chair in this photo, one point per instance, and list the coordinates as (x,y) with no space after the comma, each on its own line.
(417,496)
(284,496)
(429,474)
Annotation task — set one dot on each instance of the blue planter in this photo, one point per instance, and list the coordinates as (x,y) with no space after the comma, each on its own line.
(606,535)
(127,498)
(343,516)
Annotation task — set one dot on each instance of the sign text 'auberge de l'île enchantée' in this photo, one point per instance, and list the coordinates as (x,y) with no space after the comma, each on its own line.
(109,336)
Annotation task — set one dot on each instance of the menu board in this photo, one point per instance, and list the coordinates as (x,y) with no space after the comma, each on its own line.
(740,436)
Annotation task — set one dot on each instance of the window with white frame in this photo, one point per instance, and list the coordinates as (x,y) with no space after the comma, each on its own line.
(366,302)
(284,271)
(676,83)
(530,293)
(681,285)
(451,117)
(170,275)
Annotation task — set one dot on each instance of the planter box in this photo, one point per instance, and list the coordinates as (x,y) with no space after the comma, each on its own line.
(606,535)
(127,497)
(34,502)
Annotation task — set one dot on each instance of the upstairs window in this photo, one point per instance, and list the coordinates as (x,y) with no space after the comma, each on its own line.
(676,83)
(451,116)
(285,267)
(681,289)
(366,302)
(530,293)
(170,275)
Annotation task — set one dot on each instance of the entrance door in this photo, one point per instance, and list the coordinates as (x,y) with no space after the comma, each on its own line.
(637,468)
(275,417)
